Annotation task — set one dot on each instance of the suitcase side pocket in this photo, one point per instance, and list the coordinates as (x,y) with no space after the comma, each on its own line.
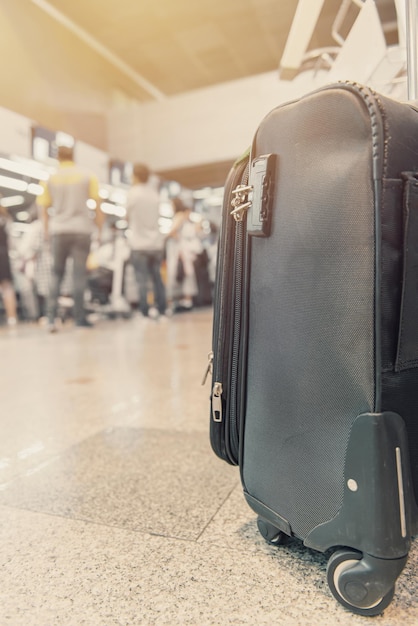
(407,349)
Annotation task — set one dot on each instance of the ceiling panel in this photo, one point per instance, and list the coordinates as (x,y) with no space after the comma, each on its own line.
(180,45)
(159,48)
(200,43)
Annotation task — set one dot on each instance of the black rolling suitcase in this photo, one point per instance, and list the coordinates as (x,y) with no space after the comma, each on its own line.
(315,335)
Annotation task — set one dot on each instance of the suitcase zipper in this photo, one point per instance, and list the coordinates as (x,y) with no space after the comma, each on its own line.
(221,359)
(240,205)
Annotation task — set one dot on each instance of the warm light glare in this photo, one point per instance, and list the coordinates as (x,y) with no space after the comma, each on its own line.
(12,201)
(63,139)
(213,201)
(174,188)
(13,183)
(200,194)
(119,197)
(113,209)
(35,189)
(103,193)
(25,170)
(22,216)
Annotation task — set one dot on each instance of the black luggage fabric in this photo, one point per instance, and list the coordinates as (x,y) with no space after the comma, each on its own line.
(315,336)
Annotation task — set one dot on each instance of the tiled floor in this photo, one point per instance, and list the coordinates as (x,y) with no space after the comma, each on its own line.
(113,508)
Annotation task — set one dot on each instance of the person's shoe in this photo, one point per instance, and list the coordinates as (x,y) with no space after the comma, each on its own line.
(51,327)
(184,306)
(84,324)
(153,313)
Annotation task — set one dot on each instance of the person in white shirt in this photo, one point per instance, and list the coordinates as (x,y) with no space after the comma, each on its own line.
(146,240)
(183,246)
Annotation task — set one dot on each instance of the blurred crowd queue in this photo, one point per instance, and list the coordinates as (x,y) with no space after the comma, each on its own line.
(71,264)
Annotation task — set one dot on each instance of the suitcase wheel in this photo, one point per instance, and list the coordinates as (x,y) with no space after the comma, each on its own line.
(270,533)
(355,585)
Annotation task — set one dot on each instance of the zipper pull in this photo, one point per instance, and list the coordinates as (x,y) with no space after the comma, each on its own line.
(241,202)
(217,402)
(209,368)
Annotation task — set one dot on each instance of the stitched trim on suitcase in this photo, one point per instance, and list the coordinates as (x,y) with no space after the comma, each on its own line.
(407,353)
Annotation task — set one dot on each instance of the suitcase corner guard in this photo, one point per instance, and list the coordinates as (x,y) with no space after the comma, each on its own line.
(378,514)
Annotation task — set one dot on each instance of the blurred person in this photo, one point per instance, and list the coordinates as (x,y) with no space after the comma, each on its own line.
(69,229)
(6,281)
(107,265)
(183,247)
(205,264)
(37,263)
(146,240)
(212,248)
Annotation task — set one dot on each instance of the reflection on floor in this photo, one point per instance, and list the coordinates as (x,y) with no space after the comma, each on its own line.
(113,508)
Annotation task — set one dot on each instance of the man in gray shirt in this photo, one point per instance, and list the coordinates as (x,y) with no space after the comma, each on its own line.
(145,238)
(70,229)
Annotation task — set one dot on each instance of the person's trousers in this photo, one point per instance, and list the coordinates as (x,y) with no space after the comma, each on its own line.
(147,266)
(63,246)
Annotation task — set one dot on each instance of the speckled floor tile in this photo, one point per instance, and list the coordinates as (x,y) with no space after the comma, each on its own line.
(235,527)
(163,482)
(67,572)
(59,389)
